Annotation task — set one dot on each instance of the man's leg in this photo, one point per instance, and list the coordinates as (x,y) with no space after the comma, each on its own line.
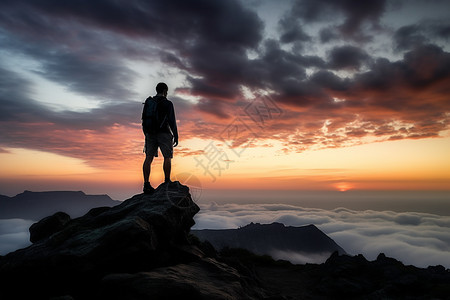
(167,167)
(146,167)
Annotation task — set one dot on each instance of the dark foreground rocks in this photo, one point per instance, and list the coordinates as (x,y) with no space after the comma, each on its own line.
(346,277)
(142,249)
(135,250)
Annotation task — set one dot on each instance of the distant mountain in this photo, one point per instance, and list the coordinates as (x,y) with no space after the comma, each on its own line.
(37,205)
(271,238)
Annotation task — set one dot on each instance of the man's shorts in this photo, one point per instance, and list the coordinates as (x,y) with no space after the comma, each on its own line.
(163,140)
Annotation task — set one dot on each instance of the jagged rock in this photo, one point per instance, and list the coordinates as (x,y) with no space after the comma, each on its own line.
(142,233)
(48,226)
(203,279)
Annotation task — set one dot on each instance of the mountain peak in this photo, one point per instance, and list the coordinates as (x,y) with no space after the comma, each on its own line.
(51,193)
(36,205)
(252,226)
(272,239)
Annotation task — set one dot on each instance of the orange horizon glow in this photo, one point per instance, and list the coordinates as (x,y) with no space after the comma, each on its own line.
(394,165)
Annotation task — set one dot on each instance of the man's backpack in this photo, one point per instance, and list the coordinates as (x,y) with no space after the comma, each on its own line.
(150,118)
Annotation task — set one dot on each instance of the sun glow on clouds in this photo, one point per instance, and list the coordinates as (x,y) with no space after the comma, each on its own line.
(418,164)
(22,162)
(405,163)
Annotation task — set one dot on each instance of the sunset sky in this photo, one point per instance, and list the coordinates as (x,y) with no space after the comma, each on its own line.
(308,95)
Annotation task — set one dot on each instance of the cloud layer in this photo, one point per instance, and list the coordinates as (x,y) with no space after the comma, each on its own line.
(14,234)
(336,81)
(418,239)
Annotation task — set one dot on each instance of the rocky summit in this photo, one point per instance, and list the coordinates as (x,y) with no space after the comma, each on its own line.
(145,237)
(143,249)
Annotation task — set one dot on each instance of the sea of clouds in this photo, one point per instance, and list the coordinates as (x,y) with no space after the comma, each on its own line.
(419,239)
(414,238)
(14,234)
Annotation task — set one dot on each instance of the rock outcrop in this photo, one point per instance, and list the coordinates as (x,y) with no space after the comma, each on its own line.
(48,226)
(347,277)
(144,238)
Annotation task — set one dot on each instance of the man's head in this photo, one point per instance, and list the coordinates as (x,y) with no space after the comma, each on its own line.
(161,88)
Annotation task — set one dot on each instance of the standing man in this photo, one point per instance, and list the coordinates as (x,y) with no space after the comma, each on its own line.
(160,129)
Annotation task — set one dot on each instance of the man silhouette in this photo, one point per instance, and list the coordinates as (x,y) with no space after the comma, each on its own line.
(160,129)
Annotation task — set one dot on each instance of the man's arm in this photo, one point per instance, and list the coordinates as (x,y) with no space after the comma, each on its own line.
(143,116)
(173,124)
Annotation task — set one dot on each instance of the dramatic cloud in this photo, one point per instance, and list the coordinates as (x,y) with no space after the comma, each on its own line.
(414,35)
(347,57)
(419,239)
(355,14)
(348,91)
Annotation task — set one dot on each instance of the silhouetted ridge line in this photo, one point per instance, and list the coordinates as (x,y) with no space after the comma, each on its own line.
(37,205)
(267,238)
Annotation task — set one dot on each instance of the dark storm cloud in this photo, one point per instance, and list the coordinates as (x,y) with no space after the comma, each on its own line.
(93,78)
(347,57)
(212,107)
(88,47)
(25,123)
(328,34)
(426,65)
(285,73)
(442,31)
(411,36)
(330,81)
(83,45)
(356,13)
(421,67)
(103,136)
(292,31)
(17,105)
(14,93)
(177,21)
(198,31)
(407,98)
(71,56)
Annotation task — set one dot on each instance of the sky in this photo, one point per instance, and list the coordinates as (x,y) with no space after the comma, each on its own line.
(285,95)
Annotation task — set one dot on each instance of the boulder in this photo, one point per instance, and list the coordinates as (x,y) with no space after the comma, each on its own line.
(48,226)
